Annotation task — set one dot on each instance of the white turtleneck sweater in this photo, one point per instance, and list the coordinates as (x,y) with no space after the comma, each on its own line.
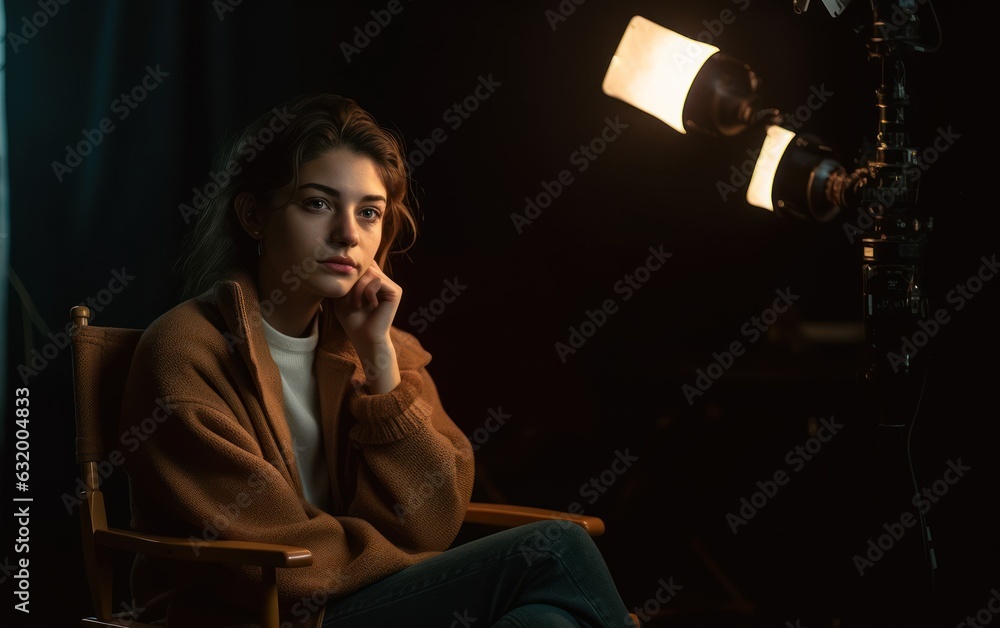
(294,357)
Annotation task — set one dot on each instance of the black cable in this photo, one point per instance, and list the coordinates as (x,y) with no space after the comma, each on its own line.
(940,32)
(925,529)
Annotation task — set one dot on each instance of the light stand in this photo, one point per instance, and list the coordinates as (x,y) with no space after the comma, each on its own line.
(798,177)
(895,302)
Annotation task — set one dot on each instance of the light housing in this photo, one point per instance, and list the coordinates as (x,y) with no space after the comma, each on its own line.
(687,84)
(796,176)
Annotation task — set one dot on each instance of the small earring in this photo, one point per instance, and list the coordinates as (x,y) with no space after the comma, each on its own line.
(260,247)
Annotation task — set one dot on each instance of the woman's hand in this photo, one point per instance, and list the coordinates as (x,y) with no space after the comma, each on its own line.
(366,314)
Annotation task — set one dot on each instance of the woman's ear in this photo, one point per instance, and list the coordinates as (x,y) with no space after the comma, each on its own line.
(247,213)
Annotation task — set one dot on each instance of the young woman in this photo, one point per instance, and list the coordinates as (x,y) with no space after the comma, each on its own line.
(290,410)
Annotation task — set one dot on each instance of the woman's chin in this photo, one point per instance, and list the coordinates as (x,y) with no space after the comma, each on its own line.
(333,289)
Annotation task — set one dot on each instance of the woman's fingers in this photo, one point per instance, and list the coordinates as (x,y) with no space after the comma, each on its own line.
(369,286)
(371,291)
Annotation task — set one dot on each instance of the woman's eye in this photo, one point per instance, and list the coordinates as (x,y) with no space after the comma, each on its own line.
(315,204)
(370,213)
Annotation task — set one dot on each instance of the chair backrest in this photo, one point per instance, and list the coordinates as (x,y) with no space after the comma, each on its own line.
(101,360)
(102,357)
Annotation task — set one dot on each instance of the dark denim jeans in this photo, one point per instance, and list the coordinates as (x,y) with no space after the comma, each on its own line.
(548,574)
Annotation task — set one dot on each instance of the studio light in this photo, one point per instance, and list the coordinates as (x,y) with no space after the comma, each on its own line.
(797,176)
(685,83)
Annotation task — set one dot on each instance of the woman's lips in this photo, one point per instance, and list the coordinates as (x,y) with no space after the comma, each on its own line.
(340,268)
(339,263)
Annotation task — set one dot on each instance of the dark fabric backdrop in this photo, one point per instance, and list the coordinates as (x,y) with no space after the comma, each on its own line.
(218,65)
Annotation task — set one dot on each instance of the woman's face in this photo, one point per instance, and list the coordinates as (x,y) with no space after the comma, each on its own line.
(325,239)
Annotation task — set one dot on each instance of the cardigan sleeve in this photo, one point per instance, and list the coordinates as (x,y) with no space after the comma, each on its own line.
(414,474)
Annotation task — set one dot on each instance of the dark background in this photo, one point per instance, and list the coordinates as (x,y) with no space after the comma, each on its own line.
(494,347)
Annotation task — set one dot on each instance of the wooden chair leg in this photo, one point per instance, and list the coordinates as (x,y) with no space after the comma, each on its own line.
(98,560)
(269,612)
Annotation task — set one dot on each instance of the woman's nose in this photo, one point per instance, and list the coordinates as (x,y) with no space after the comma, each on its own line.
(344,230)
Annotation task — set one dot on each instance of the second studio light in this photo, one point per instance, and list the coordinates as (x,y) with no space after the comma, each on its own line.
(796,176)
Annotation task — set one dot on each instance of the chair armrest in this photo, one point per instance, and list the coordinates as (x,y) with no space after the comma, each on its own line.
(234,552)
(508,516)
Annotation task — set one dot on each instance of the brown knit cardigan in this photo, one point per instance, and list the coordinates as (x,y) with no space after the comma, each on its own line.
(217,461)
